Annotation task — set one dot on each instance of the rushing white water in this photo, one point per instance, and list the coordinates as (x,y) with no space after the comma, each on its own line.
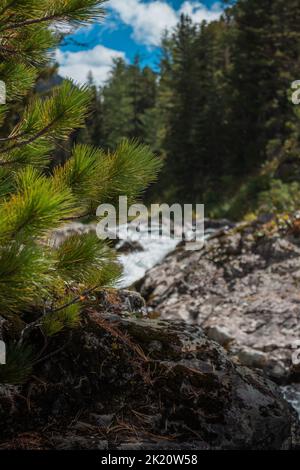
(292,394)
(155,249)
(138,262)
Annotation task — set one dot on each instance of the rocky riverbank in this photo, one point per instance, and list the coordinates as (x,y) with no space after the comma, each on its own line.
(242,289)
(188,368)
(126,381)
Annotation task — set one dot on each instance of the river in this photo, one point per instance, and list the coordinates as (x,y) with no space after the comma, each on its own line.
(136,264)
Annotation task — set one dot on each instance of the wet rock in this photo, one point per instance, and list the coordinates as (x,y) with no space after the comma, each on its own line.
(292,394)
(128,246)
(184,393)
(245,282)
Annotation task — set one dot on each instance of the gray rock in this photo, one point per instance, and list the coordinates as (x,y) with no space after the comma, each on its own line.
(252,358)
(217,224)
(220,334)
(187,393)
(103,420)
(121,302)
(243,289)
(128,246)
(2,323)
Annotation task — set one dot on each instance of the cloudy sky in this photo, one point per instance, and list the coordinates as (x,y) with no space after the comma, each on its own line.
(131,27)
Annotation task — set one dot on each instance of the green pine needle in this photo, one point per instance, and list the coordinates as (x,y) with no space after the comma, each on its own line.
(18,367)
(68,318)
(87,260)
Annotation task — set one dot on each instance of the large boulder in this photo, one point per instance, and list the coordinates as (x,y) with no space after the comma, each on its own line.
(126,382)
(243,289)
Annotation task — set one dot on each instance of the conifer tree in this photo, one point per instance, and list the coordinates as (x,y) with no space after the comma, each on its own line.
(129,92)
(118,107)
(93,132)
(183,83)
(34,275)
(265,56)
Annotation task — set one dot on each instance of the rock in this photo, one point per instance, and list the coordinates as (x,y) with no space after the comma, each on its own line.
(252,358)
(2,324)
(103,420)
(220,335)
(184,393)
(121,302)
(292,394)
(245,282)
(128,246)
(265,218)
(217,224)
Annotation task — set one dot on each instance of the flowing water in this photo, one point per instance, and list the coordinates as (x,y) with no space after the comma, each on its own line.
(155,249)
(292,394)
(136,264)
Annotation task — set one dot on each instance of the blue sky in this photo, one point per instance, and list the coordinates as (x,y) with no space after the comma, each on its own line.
(130,27)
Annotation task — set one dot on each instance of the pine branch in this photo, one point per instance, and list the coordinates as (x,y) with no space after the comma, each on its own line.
(33,202)
(21,24)
(8,50)
(80,10)
(12,137)
(74,301)
(68,105)
(26,142)
(9,5)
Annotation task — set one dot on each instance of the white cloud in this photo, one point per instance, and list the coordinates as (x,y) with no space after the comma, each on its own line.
(200,12)
(77,65)
(150,20)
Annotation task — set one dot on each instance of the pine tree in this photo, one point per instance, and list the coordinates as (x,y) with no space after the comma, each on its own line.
(93,131)
(128,94)
(34,275)
(223,114)
(181,73)
(192,92)
(210,126)
(142,92)
(118,108)
(265,63)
